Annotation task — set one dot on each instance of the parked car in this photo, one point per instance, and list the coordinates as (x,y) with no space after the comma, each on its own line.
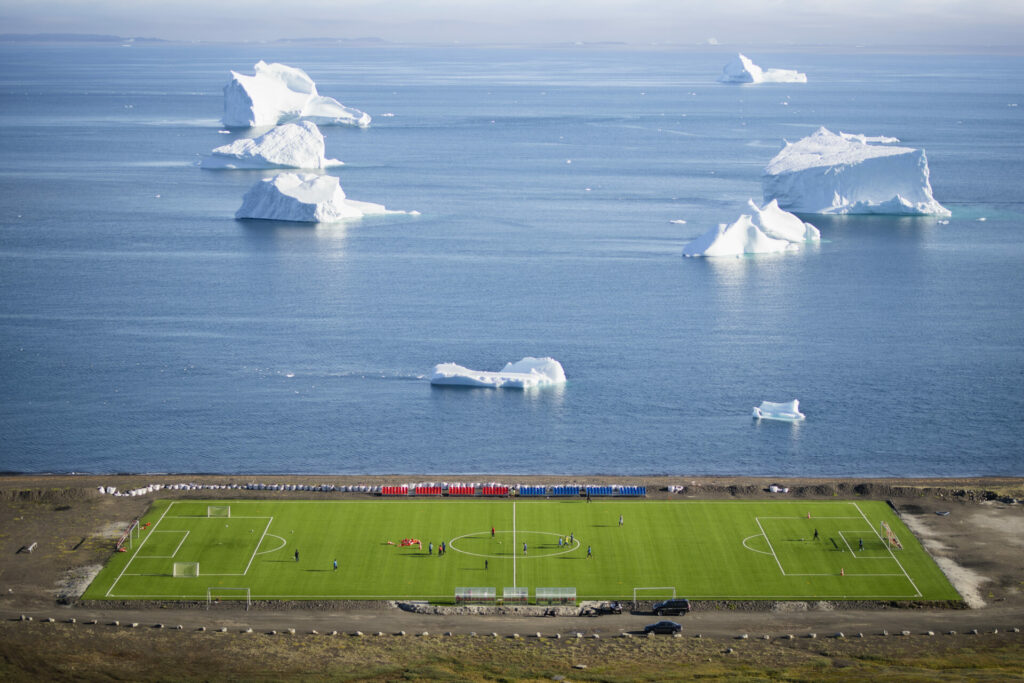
(676,607)
(609,608)
(663,627)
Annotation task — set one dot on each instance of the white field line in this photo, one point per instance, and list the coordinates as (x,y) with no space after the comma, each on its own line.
(166,557)
(514,546)
(269,522)
(902,569)
(770,547)
(132,558)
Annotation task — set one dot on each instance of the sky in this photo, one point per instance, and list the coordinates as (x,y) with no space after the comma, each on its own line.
(784,23)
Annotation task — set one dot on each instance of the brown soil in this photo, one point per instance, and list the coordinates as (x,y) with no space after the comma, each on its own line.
(979,544)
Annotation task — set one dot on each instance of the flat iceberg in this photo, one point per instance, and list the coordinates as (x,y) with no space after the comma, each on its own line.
(292,145)
(278,94)
(525,374)
(304,197)
(767,230)
(787,412)
(831,173)
(742,70)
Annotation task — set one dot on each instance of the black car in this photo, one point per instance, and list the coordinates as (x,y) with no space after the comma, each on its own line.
(609,608)
(672,607)
(663,627)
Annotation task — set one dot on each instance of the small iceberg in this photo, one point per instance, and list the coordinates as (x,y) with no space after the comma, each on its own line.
(767,230)
(306,198)
(831,173)
(742,70)
(786,412)
(277,93)
(527,373)
(292,145)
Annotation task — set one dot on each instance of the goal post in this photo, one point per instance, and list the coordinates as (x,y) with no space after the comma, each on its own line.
(129,536)
(890,538)
(662,593)
(218,511)
(218,593)
(185,570)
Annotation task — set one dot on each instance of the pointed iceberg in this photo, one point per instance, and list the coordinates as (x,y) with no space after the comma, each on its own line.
(293,145)
(831,173)
(527,373)
(277,93)
(768,230)
(742,70)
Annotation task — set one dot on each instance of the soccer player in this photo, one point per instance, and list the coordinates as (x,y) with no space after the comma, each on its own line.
(589,552)
(620,520)
(296,554)
(860,542)
(524,547)
(335,565)
(492,532)
(815,534)
(430,548)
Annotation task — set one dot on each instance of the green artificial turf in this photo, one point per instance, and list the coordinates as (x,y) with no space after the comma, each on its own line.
(732,550)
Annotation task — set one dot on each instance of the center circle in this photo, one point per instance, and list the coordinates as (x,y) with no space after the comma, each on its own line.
(501,546)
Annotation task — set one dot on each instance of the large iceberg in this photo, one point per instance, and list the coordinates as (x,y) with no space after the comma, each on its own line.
(742,70)
(525,374)
(787,412)
(277,94)
(293,145)
(304,197)
(833,173)
(767,230)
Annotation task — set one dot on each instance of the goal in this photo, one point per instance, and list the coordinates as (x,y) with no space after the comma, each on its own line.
(184,570)
(218,593)
(662,592)
(890,538)
(129,536)
(218,511)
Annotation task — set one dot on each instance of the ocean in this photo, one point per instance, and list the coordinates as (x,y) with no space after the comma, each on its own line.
(144,329)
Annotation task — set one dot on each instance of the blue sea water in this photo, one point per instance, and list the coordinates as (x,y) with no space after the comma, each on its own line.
(144,329)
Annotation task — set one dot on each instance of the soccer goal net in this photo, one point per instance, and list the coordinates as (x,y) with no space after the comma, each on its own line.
(890,538)
(214,594)
(185,570)
(129,536)
(653,593)
(218,511)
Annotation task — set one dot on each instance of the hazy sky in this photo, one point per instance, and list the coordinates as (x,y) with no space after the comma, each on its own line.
(958,23)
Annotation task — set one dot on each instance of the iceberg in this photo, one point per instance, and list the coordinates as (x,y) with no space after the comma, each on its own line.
(278,94)
(304,197)
(768,230)
(527,373)
(831,173)
(293,145)
(787,412)
(742,70)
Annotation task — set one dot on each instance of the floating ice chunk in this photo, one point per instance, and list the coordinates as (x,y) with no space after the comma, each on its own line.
(525,374)
(304,197)
(787,412)
(782,225)
(277,94)
(742,70)
(741,237)
(293,145)
(840,174)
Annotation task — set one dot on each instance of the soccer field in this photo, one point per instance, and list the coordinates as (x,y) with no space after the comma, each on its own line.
(731,550)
